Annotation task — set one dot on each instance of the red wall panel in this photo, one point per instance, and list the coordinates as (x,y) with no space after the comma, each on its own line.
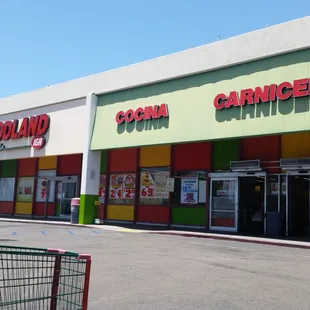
(6,207)
(39,209)
(153,214)
(192,156)
(27,167)
(264,148)
(69,164)
(124,160)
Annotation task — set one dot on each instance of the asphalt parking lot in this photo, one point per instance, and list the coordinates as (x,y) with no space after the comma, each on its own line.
(139,271)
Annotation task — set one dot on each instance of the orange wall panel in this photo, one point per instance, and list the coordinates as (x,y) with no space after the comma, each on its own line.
(155,156)
(123,160)
(295,145)
(27,167)
(47,163)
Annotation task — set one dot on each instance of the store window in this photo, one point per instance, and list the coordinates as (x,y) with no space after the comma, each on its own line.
(122,188)
(25,189)
(190,188)
(153,183)
(46,186)
(102,188)
(7,186)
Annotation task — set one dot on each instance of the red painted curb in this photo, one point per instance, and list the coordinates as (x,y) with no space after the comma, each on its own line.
(264,242)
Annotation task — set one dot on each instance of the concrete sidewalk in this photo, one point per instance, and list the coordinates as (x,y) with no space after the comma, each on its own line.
(163,231)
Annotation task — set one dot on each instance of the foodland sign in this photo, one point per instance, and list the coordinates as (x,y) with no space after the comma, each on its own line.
(267,93)
(34,126)
(142,114)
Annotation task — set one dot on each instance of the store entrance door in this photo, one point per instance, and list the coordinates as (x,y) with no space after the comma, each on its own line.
(224,203)
(298,204)
(67,189)
(238,202)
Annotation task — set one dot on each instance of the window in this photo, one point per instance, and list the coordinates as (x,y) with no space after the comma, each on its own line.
(153,186)
(25,189)
(46,186)
(190,188)
(102,188)
(7,186)
(122,188)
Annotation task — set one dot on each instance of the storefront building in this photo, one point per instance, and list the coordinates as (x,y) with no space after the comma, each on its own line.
(41,157)
(220,150)
(216,137)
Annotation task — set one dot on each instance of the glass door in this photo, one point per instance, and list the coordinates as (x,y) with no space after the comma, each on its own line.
(224,204)
(66,191)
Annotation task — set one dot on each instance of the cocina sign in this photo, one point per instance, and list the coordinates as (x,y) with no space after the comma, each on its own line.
(146,113)
(34,126)
(283,91)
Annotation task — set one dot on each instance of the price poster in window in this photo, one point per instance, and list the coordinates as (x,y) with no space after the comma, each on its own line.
(147,185)
(102,186)
(189,190)
(116,186)
(153,184)
(129,190)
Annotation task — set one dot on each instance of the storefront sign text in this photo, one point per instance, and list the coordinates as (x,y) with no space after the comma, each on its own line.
(267,93)
(34,126)
(142,114)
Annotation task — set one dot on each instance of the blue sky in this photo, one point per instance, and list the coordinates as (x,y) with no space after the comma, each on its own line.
(44,42)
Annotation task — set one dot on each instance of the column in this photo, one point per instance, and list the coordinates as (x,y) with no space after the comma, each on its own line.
(90,166)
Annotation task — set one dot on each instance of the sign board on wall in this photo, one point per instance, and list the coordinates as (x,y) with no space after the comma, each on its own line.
(192,115)
(267,93)
(35,127)
(142,114)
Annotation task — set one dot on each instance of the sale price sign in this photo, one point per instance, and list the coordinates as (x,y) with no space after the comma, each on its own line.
(116,186)
(129,186)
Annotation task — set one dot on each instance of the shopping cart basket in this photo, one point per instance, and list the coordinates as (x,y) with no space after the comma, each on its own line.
(38,279)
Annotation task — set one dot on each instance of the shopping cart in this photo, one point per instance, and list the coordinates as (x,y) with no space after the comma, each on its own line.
(38,279)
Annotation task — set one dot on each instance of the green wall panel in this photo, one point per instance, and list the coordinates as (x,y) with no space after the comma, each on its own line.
(225,151)
(189,216)
(104,159)
(87,212)
(8,168)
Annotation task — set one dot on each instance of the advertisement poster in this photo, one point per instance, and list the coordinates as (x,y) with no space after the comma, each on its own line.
(116,186)
(153,184)
(129,185)
(7,186)
(274,188)
(25,189)
(102,187)
(189,190)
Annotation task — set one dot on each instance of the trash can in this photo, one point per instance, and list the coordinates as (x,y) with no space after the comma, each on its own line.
(75,206)
(274,225)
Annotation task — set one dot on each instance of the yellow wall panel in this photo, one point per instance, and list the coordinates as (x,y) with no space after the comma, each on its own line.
(23,208)
(295,145)
(48,162)
(120,212)
(155,156)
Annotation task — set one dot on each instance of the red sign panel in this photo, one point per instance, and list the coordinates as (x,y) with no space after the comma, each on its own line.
(34,126)
(267,93)
(142,114)
(38,142)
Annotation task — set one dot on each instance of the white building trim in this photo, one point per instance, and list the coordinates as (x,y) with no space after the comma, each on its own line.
(263,43)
